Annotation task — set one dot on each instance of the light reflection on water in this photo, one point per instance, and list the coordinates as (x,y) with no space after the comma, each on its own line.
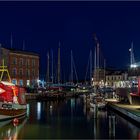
(10,130)
(68,119)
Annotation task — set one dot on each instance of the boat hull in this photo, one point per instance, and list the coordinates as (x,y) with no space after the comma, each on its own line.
(11,115)
(9,111)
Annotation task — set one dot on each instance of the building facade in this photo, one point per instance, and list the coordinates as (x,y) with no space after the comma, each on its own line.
(117,79)
(111,77)
(98,77)
(23,66)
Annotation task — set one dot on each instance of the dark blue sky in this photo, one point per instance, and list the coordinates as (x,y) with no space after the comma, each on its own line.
(43,24)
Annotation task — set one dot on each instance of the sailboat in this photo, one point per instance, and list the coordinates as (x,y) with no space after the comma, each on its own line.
(70,87)
(96,99)
(12,98)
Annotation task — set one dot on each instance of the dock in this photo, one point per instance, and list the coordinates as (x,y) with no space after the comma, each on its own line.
(31,96)
(132,112)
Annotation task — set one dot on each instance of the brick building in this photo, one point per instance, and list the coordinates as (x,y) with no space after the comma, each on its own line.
(23,66)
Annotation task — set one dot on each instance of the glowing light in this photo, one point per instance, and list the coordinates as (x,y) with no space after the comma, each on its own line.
(133,66)
(38,110)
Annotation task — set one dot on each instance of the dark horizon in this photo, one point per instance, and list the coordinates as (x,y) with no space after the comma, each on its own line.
(43,24)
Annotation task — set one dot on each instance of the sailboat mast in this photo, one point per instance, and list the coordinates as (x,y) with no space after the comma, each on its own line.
(48,67)
(98,55)
(132,59)
(95,65)
(71,67)
(52,64)
(104,71)
(91,66)
(11,41)
(59,63)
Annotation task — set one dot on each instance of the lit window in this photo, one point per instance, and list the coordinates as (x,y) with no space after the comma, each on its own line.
(28,82)
(14,81)
(21,82)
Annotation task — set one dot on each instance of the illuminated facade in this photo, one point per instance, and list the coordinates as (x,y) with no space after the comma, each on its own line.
(99,77)
(23,66)
(117,79)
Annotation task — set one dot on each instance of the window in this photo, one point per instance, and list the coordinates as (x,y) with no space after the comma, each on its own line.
(21,82)
(33,72)
(28,73)
(33,62)
(28,82)
(14,60)
(14,81)
(21,62)
(27,62)
(14,72)
(20,72)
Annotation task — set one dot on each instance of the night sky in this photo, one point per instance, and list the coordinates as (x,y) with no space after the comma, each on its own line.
(43,24)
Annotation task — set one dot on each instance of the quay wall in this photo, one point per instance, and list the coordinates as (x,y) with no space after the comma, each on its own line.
(31,96)
(127,113)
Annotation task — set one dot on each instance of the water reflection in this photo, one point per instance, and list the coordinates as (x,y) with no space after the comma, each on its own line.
(69,119)
(38,110)
(9,130)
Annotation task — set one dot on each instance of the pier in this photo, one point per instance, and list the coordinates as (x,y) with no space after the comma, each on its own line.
(131,112)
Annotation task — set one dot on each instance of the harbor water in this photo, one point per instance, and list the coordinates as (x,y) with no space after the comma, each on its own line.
(68,119)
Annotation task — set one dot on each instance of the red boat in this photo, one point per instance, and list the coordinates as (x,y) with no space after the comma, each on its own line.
(12,98)
(12,101)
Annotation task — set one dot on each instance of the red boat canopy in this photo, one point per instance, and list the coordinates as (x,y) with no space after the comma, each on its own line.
(8,91)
